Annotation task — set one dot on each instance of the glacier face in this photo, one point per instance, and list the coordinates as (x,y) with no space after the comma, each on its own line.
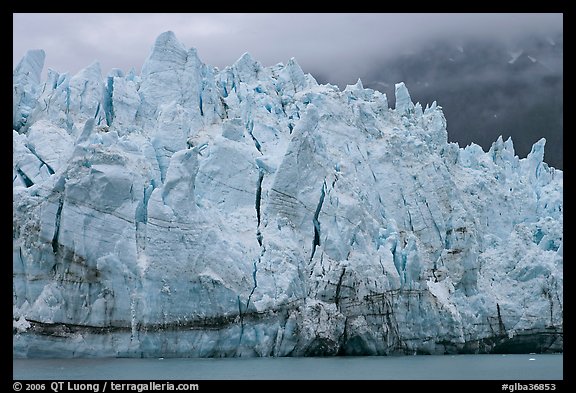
(249,211)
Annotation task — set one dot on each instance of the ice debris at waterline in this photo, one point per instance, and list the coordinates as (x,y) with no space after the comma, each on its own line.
(250,211)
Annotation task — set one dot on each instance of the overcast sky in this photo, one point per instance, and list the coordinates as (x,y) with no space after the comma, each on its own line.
(339,46)
(334,48)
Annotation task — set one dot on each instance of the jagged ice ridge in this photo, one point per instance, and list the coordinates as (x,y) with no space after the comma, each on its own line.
(250,211)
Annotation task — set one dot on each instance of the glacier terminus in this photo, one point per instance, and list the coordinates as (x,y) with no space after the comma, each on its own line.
(188,211)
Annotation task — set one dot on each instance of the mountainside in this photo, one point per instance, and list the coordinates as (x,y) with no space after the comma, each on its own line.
(487,88)
(250,211)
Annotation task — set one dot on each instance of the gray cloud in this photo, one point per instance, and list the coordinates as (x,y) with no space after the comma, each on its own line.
(341,46)
(482,98)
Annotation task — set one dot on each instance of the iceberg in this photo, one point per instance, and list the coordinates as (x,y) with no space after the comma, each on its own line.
(188,211)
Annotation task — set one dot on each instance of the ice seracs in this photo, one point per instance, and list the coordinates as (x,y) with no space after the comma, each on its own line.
(26,88)
(250,211)
(404,103)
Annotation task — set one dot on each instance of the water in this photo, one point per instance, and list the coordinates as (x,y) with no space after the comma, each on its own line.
(448,367)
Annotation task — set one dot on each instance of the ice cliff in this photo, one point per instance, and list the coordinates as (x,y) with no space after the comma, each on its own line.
(250,211)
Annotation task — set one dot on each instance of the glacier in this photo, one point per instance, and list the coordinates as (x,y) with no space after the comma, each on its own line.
(188,211)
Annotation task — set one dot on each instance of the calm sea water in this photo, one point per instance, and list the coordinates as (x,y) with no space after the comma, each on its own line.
(457,367)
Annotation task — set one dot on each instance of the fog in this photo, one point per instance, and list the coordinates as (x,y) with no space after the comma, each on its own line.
(482,96)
